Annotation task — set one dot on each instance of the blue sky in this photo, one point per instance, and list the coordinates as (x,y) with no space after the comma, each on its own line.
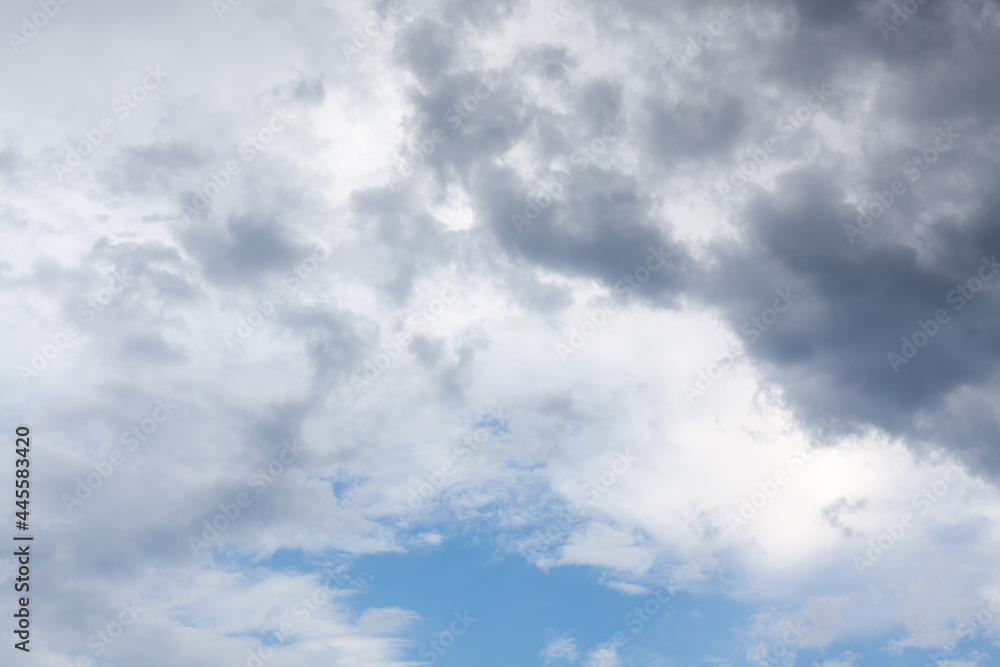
(517,611)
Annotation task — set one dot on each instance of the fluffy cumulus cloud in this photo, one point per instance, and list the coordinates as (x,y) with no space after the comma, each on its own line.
(696,299)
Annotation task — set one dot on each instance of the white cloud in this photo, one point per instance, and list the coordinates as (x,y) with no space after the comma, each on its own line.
(561,648)
(603,656)
(846,659)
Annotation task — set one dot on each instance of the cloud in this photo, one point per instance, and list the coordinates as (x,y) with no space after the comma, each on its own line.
(540,162)
(608,547)
(560,649)
(604,655)
(846,659)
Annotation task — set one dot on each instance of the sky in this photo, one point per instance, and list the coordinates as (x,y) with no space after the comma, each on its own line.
(531,332)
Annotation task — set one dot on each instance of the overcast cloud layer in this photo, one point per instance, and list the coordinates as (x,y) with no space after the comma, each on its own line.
(698,299)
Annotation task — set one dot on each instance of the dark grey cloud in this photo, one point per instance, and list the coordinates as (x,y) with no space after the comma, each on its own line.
(688,130)
(830,353)
(598,231)
(244,249)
